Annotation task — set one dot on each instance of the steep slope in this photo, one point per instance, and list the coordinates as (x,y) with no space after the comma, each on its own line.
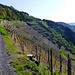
(58,34)
(30,33)
(64,31)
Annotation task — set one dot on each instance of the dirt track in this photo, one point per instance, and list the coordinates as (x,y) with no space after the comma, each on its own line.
(5,67)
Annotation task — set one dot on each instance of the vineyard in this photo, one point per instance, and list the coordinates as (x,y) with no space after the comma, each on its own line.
(47,53)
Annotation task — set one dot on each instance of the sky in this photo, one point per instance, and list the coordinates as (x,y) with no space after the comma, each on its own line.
(55,10)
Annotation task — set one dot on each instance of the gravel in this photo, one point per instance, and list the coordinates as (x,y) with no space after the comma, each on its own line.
(5,67)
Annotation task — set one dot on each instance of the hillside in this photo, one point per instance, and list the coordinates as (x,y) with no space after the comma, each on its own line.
(25,34)
(10,13)
(57,33)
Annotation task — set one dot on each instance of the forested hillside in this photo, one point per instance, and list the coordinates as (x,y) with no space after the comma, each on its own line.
(11,13)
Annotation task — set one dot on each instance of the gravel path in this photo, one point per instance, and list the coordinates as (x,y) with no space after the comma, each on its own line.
(5,67)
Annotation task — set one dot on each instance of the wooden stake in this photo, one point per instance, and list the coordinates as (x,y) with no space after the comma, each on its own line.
(69,65)
(60,64)
(51,64)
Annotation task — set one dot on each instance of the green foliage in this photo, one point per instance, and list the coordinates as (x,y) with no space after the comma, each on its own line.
(1,20)
(65,55)
(43,23)
(9,45)
(27,73)
(27,66)
(2,13)
(2,30)
(23,65)
(11,13)
(32,22)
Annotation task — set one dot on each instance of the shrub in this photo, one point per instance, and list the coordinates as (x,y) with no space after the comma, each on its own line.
(28,66)
(33,65)
(20,68)
(27,73)
(2,30)
(15,63)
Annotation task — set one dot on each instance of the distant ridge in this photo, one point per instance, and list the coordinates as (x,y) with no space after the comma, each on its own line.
(69,25)
(72,23)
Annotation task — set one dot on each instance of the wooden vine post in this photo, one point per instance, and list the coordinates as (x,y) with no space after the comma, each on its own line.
(14,38)
(48,56)
(49,61)
(39,55)
(69,65)
(11,34)
(51,64)
(22,48)
(60,64)
(36,52)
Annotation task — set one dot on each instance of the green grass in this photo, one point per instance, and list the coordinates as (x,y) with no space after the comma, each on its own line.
(2,30)
(1,19)
(65,55)
(24,66)
(9,45)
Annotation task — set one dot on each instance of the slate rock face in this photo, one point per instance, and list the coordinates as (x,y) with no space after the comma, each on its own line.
(25,28)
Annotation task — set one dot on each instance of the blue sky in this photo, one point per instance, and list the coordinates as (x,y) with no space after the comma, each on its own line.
(56,10)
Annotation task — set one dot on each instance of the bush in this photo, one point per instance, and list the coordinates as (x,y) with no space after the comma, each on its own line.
(2,30)
(33,65)
(20,68)
(27,66)
(34,73)
(15,63)
(27,73)
(37,69)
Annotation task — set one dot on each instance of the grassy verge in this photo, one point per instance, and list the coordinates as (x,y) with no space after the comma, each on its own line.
(9,45)
(2,30)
